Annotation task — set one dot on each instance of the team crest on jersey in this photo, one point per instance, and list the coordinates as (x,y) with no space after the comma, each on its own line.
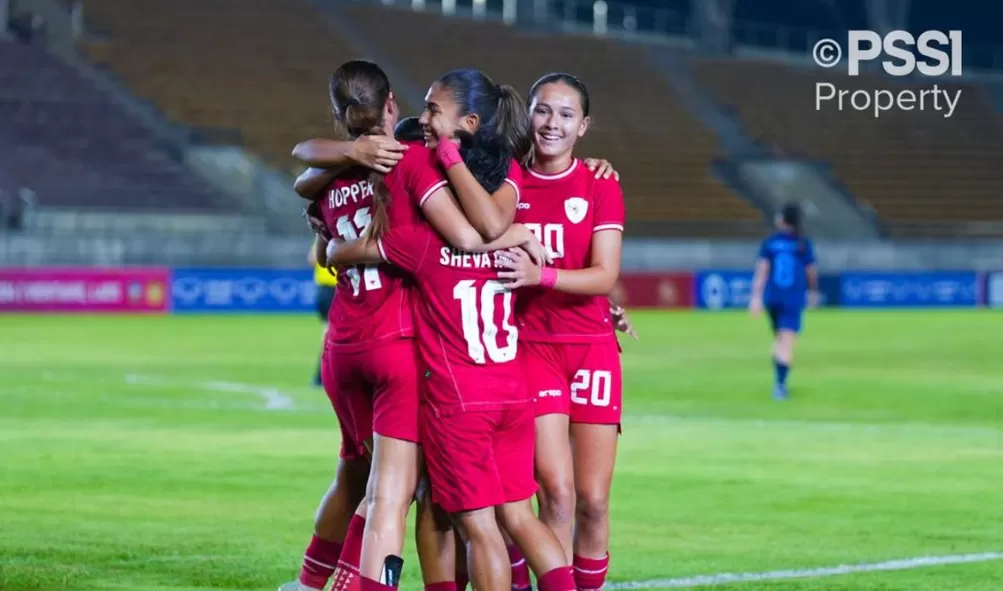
(576,208)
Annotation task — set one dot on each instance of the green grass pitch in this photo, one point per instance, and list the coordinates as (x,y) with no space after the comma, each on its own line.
(137,453)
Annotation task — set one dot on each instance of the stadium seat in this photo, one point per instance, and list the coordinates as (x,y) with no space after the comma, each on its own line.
(67,141)
(256,66)
(261,67)
(918,170)
(663,154)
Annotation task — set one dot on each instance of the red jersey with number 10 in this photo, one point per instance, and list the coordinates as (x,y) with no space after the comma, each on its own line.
(374,302)
(467,337)
(564,210)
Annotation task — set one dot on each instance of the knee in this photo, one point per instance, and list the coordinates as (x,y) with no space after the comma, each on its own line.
(557,498)
(592,507)
(387,501)
(514,517)
(478,527)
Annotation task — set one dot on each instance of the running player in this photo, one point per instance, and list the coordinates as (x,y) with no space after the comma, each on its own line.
(784,271)
(571,353)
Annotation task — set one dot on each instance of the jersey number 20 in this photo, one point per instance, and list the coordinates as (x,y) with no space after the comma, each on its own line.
(350,230)
(596,385)
(479,308)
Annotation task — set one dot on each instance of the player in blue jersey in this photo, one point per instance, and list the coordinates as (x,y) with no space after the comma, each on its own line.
(785,271)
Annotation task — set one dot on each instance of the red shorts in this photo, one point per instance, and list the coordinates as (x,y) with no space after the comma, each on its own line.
(581,380)
(376,390)
(479,459)
(351,447)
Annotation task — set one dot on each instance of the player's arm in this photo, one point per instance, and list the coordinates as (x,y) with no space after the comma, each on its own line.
(312,181)
(318,252)
(596,279)
(811,273)
(759,277)
(601,275)
(353,252)
(446,217)
(490,214)
(378,152)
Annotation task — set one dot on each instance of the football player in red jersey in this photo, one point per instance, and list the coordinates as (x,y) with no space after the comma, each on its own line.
(369,369)
(571,353)
(477,417)
(494,127)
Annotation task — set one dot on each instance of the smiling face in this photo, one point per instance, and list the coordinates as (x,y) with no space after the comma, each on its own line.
(558,121)
(443,116)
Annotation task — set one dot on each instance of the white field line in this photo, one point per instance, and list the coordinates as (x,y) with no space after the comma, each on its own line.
(807,573)
(273,398)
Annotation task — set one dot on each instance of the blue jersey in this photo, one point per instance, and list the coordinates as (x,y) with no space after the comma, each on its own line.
(789,258)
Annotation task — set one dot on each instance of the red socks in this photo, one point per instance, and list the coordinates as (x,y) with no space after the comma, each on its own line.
(520,569)
(319,562)
(347,576)
(559,579)
(590,573)
(371,585)
(443,586)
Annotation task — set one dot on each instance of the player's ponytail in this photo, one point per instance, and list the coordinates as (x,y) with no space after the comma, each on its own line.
(503,130)
(380,222)
(360,91)
(511,121)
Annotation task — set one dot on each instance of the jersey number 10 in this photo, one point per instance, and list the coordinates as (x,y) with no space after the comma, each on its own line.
(479,308)
(351,230)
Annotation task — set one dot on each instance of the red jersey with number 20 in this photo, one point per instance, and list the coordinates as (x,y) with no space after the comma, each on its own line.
(374,302)
(467,337)
(564,210)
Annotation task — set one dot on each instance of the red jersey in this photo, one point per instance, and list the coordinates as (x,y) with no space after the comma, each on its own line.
(467,337)
(564,210)
(514,178)
(373,302)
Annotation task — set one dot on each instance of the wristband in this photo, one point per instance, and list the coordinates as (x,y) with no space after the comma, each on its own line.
(548,277)
(448,154)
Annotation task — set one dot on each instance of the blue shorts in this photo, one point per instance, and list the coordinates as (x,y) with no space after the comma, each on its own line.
(785,317)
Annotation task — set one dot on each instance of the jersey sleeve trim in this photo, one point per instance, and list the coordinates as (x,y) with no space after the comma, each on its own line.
(432,189)
(601,227)
(515,185)
(383,253)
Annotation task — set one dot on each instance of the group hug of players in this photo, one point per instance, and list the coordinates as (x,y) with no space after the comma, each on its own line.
(470,353)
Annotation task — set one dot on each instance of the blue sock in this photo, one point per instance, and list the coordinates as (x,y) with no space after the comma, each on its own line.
(781,370)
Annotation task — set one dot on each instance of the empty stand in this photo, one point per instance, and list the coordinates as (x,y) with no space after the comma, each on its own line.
(68,142)
(257,66)
(917,169)
(662,153)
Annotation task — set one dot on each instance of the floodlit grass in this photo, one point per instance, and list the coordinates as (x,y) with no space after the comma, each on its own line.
(131,461)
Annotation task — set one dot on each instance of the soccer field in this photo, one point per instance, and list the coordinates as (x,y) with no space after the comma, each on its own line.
(189,453)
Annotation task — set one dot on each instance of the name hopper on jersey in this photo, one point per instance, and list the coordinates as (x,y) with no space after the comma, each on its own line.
(373,303)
